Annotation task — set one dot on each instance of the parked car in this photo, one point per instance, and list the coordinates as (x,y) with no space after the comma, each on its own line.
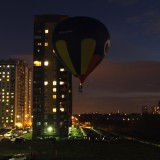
(15,134)
(18,157)
(24,131)
(8,134)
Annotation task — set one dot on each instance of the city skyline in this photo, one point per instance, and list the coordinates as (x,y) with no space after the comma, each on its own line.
(119,82)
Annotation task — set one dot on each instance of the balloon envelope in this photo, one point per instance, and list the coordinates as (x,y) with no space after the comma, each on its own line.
(81,44)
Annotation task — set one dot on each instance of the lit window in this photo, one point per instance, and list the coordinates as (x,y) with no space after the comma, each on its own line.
(37,63)
(61,82)
(46,31)
(62,109)
(61,123)
(38,123)
(39,44)
(54,83)
(11,121)
(45,123)
(61,69)
(46,44)
(54,96)
(6,110)
(46,63)
(62,96)
(54,89)
(46,83)
(54,110)
(38,50)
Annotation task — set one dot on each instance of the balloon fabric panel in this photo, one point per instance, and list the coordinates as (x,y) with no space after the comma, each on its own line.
(96,59)
(87,51)
(74,49)
(64,54)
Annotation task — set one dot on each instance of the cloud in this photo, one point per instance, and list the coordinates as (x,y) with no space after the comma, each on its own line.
(119,86)
(131,76)
(148,22)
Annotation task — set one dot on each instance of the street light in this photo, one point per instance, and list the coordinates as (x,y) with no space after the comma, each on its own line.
(50,129)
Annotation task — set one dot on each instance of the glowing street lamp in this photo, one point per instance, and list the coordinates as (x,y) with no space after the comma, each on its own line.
(50,129)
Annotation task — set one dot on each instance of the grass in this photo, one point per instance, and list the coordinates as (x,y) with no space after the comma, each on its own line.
(27,136)
(76,133)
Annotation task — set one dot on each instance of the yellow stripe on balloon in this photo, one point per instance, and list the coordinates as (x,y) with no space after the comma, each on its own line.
(87,50)
(63,52)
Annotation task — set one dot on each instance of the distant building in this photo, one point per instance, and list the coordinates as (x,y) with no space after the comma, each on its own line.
(52,83)
(146,109)
(156,110)
(151,110)
(16,97)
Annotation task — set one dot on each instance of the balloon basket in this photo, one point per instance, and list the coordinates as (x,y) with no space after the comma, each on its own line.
(80,88)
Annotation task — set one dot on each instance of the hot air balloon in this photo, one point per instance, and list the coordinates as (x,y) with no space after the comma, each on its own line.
(81,43)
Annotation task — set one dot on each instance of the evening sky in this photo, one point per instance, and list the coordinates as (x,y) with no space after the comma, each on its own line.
(127,78)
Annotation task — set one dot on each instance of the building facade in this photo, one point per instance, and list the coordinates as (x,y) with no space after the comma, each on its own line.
(15,102)
(52,83)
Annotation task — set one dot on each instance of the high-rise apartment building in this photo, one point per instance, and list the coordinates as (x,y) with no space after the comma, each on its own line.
(16,97)
(156,109)
(52,83)
(146,109)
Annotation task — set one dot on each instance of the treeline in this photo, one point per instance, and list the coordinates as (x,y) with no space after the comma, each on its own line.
(148,127)
(145,126)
